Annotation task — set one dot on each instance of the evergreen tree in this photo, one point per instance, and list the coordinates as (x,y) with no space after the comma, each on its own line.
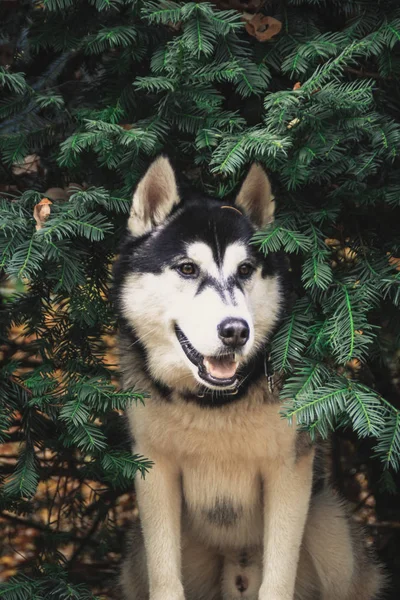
(91,91)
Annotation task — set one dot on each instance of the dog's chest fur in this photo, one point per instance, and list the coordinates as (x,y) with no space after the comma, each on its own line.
(219,454)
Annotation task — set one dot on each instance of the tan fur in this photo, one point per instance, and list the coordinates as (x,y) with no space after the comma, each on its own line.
(242,453)
(255,197)
(154,198)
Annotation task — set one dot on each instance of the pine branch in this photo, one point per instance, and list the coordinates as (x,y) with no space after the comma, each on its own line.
(290,341)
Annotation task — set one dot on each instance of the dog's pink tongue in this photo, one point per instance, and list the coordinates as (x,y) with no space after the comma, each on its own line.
(222,368)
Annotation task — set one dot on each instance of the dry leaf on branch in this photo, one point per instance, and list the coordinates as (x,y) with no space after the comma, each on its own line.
(59,193)
(263,28)
(29,165)
(41,212)
(394,262)
(56,193)
(293,123)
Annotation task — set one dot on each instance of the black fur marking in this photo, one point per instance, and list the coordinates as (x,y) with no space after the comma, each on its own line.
(319,471)
(218,256)
(195,220)
(223,513)
(202,285)
(233,284)
(209,281)
(222,290)
(244,559)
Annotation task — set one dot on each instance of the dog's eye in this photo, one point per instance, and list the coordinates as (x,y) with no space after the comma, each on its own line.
(188,269)
(245,270)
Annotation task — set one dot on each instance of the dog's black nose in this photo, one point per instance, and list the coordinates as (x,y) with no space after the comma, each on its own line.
(233,332)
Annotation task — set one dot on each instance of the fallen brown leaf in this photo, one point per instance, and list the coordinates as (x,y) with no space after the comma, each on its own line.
(41,212)
(263,28)
(56,193)
(29,165)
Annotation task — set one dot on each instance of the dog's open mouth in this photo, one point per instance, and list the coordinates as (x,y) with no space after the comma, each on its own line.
(215,370)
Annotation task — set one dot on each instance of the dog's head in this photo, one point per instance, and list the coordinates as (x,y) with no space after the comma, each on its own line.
(198,296)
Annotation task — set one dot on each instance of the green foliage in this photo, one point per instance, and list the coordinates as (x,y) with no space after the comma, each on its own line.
(55,587)
(94,90)
(23,482)
(318,396)
(290,340)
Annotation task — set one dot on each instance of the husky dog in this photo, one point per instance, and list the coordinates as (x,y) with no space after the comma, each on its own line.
(229,509)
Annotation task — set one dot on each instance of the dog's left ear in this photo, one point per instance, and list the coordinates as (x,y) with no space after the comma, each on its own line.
(154,198)
(255,197)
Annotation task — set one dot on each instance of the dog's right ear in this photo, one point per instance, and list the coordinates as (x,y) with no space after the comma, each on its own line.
(255,197)
(154,198)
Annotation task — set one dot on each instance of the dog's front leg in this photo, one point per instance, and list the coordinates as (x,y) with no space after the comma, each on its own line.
(287,490)
(159,500)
